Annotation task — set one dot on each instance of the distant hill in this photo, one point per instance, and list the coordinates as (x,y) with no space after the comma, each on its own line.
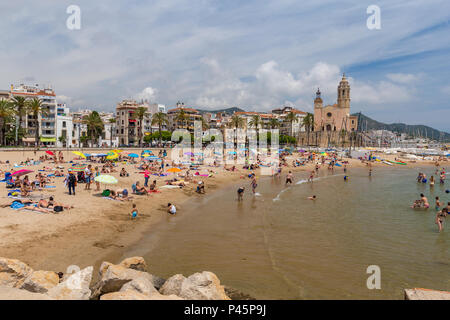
(227,110)
(366,123)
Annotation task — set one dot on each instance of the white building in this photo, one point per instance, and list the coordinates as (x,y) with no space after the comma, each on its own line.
(64,127)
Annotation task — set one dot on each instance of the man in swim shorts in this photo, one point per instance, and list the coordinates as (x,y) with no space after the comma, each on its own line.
(289,178)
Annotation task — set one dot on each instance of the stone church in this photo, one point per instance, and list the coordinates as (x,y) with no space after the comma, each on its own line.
(336,117)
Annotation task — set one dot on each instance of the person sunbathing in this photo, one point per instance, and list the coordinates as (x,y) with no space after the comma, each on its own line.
(141,190)
(51,203)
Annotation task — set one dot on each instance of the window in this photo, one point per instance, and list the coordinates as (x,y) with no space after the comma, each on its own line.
(353,121)
(64,124)
(329,114)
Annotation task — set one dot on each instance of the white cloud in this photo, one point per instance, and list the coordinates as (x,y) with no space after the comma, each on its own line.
(404,78)
(148,94)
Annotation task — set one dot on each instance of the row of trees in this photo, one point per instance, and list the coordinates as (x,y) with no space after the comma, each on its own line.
(12,113)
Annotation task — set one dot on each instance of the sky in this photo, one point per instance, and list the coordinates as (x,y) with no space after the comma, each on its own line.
(253,54)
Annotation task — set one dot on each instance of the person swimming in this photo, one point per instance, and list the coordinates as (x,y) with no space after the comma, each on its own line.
(312,197)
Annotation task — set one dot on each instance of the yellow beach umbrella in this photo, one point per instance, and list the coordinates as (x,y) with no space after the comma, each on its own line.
(174,170)
(78,153)
(112,156)
(116,151)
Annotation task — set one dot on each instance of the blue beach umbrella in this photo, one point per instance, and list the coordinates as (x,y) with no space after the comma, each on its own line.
(133,155)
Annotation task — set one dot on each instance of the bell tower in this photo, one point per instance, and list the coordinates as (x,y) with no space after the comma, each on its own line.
(343,99)
(318,103)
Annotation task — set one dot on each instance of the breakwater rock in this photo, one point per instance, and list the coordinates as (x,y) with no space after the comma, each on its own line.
(128,280)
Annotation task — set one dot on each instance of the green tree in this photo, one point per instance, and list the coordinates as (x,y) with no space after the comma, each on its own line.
(159,119)
(291,117)
(139,114)
(20,107)
(274,123)
(308,123)
(94,125)
(111,121)
(6,110)
(62,139)
(182,117)
(36,108)
(237,121)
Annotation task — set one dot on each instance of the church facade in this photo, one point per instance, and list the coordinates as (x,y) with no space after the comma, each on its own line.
(336,117)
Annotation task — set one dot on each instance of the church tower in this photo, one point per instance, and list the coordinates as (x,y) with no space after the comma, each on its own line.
(318,103)
(343,100)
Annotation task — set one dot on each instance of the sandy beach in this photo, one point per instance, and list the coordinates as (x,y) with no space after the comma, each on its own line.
(99,229)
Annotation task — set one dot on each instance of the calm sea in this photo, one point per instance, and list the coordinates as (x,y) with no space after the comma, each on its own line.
(279,245)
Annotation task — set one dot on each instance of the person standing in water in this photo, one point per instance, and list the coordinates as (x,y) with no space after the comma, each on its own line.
(289,178)
(440,215)
(254,184)
(438,204)
(424,201)
(240,193)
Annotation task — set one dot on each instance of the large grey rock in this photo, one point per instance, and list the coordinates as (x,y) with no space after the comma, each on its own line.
(135,263)
(75,287)
(142,285)
(426,294)
(199,286)
(40,281)
(13,272)
(113,277)
(8,293)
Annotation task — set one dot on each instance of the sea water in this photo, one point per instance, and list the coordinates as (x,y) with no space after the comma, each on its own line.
(279,245)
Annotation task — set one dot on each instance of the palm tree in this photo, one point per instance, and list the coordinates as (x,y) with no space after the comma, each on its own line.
(255,122)
(6,111)
(20,108)
(94,125)
(205,125)
(182,117)
(36,109)
(111,121)
(236,121)
(291,117)
(308,123)
(139,115)
(159,119)
(274,123)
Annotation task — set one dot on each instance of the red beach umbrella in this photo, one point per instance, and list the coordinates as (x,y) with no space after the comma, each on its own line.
(49,152)
(21,172)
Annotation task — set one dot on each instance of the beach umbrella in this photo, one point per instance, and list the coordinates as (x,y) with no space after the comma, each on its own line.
(133,155)
(189,153)
(106,179)
(111,155)
(174,170)
(49,152)
(116,151)
(301,150)
(80,154)
(147,151)
(231,152)
(21,172)
(78,168)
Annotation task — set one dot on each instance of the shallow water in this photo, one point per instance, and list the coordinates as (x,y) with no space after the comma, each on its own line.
(281,246)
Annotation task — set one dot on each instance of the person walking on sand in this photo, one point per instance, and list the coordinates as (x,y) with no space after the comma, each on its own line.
(71,182)
(87,177)
(96,174)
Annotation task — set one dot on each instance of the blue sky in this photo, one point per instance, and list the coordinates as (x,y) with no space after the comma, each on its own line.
(256,55)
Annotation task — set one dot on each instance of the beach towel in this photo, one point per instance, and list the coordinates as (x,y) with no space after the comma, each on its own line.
(16,205)
(169,187)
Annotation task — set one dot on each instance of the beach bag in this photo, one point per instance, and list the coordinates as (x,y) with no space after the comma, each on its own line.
(58,208)
(106,193)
